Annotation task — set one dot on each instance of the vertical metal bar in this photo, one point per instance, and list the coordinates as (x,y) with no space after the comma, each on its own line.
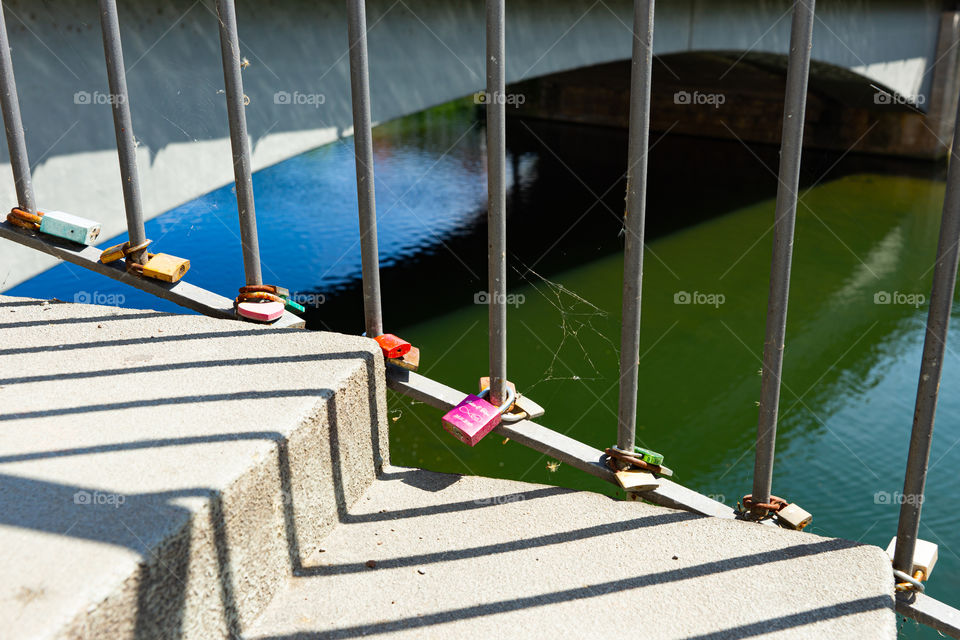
(16,141)
(243,178)
(496,198)
(363,151)
(931,366)
(123,126)
(640,79)
(794,110)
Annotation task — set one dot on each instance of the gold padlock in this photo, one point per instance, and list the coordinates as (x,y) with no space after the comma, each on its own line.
(794,517)
(409,361)
(163,266)
(636,480)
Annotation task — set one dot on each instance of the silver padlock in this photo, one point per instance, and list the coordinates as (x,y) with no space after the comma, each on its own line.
(924,556)
(794,517)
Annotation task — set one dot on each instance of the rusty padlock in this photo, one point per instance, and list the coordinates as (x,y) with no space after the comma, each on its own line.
(475,417)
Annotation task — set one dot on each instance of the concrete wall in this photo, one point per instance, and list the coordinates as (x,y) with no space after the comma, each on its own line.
(422,53)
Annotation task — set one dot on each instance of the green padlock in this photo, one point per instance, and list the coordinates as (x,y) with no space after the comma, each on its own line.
(293,306)
(648,456)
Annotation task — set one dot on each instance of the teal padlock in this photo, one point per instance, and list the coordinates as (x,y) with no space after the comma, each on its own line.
(69,227)
(293,306)
(651,457)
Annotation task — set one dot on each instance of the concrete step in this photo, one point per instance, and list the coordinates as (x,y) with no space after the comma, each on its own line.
(425,554)
(162,475)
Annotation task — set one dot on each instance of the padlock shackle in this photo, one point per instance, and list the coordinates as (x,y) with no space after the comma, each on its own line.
(511,398)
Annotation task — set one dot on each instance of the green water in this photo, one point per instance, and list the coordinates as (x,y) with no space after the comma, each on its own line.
(850,366)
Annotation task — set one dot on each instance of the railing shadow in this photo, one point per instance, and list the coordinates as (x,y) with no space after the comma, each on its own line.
(617,586)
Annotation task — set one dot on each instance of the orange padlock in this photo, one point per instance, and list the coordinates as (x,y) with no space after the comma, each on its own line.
(392,346)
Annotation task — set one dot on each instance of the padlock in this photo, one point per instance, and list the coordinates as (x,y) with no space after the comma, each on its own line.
(474,417)
(648,455)
(794,517)
(392,346)
(260,311)
(410,360)
(117,251)
(636,480)
(523,408)
(484,383)
(69,227)
(924,556)
(163,266)
(293,306)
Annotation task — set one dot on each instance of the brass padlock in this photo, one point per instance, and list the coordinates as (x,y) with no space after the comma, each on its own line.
(409,361)
(163,266)
(523,409)
(924,556)
(637,480)
(794,517)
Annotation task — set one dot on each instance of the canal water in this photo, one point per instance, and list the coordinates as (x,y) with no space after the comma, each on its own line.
(865,242)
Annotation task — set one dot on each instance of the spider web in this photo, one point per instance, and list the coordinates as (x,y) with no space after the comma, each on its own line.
(578,320)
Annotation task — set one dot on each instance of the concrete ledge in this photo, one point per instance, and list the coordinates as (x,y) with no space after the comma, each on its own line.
(162,475)
(434,555)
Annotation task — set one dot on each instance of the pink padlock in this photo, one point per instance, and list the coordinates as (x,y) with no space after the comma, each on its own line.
(475,417)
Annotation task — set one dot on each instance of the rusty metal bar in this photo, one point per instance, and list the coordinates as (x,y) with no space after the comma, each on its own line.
(640,79)
(794,111)
(363,151)
(239,141)
(931,366)
(123,127)
(13,124)
(496,198)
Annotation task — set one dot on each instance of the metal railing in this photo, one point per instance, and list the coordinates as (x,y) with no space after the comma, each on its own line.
(527,432)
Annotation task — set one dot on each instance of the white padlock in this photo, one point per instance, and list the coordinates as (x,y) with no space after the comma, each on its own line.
(924,556)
